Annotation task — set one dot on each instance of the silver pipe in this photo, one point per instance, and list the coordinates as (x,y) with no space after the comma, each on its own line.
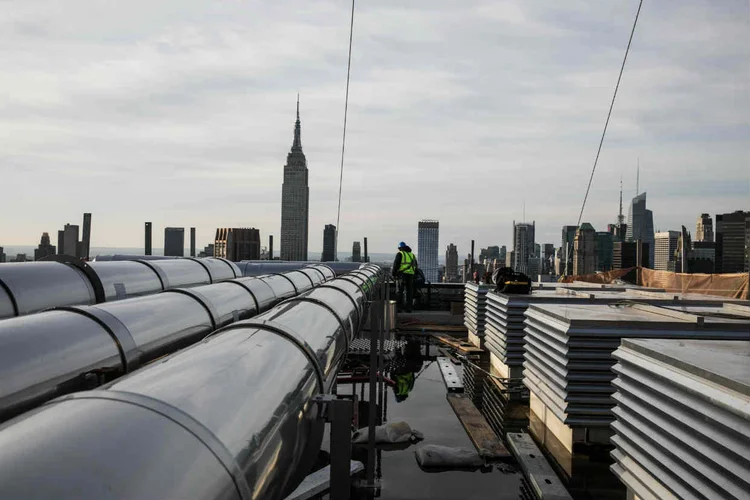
(76,348)
(231,417)
(258,267)
(27,288)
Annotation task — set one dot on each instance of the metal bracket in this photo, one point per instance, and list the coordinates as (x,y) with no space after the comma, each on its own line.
(338,412)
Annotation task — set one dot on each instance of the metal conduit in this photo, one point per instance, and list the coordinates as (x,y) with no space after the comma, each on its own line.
(224,419)
(74,348)
(31,287)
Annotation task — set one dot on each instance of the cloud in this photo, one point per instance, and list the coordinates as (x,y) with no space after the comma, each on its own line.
(181,113)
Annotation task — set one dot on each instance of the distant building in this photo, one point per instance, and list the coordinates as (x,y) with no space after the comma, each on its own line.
(356,252)
(192,242)
(604,249)
(641,223)
(559,263)
(147,238)
(2,255)
(237,243)
(428,235)
(503,255)
(619,231)
(568,236)
(704,228)
(21,257)
(174,241)
(86,237)
(700,255)
(509,258)
(451,264)
(45,248)
(624,255)
(295,201)
(533,267)
(329,244)
(70,240)
(584,250)
(548,259)
(523,245)
(665,252)
(732,242)
(208,251)
(489,254)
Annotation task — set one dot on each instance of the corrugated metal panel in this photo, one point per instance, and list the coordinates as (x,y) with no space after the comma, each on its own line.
(679,429)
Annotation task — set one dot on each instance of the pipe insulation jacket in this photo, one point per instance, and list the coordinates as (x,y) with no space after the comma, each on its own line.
(75,348)
(229,418)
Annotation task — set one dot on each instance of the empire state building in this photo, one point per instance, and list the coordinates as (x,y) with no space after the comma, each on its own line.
(295,201)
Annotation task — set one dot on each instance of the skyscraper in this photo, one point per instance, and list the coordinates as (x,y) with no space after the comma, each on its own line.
(2,255)
(584,250)
(147,238)
(356,252)
(641,223)
(86,237)
(44,249)
(174,241)
(192,242)
(604,249)
(665,243)
(732,240)
(625,255)
(704,228)
(70,240)
(295,200)
(237,243)
(451,264)
(523,245)
(568,235)
(428,232)
(329,244)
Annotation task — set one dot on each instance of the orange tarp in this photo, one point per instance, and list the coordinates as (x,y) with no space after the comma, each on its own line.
(735,286)
(725,285)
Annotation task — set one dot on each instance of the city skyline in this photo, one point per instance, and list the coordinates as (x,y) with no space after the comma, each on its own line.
(417,116)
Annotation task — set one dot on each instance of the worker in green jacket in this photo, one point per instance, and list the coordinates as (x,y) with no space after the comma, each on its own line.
(404,270)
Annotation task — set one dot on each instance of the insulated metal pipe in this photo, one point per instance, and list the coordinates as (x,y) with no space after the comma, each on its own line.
(231,417)
(27,288)
(75,348)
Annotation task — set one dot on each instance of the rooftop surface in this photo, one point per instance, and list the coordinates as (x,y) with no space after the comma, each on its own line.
(723,362)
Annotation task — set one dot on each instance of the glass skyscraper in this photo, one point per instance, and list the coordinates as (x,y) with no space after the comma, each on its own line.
(427,248)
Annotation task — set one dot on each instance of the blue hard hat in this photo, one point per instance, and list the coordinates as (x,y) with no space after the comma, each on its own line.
(401,244)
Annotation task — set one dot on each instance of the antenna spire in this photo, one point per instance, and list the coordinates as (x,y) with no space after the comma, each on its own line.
(638,178)
(620,217)
(297,144)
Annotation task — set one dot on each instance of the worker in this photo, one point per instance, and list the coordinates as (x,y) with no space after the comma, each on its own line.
(404,270)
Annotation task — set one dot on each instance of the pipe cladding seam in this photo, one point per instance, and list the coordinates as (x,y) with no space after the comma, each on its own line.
(351,299)
(283,276)
(247,289)
(184,420)
(287,333)
(213,314)
(12,297)
(319,302)
(129,352)
(159,273)
(204,266)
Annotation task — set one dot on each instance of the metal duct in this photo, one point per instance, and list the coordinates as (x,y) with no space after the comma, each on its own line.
(77,348)
(225,419)
(260,267)
(27,288)
(122,256)
(34,286)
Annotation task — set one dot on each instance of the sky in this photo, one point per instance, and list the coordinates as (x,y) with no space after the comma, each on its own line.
(181,112)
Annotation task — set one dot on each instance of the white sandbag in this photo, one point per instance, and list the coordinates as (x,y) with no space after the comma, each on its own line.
(391,433)
(433,455)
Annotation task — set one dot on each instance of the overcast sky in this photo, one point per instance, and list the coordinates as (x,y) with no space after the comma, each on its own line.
(181,112)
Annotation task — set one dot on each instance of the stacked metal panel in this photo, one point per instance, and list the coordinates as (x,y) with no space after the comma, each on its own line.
(568,358)
(475,375)
(683,418)
(503,414)
(475,307)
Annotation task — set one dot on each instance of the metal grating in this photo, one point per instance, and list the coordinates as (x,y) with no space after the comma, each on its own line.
(683,418)
(568,351)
